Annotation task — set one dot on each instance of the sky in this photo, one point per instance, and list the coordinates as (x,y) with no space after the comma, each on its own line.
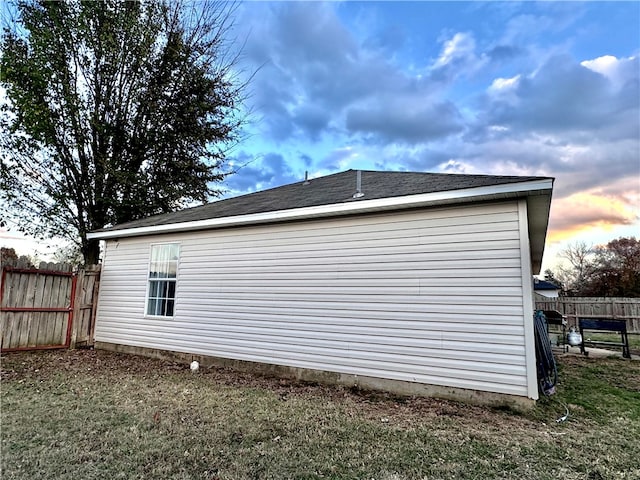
(504,88)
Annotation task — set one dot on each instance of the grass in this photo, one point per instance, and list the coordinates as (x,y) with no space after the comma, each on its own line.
(90,415)
(634,338)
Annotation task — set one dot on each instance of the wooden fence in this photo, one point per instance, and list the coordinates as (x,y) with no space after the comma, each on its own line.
(84,306)
(575,307)
(49,307)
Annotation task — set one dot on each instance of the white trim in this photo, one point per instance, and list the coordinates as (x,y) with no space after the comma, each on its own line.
(527,302)
(360,206)
(175,294)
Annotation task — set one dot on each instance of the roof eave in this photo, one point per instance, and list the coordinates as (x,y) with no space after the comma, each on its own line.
(538,208)
(493,192)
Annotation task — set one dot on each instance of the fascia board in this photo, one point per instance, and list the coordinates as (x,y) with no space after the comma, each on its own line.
(336,209)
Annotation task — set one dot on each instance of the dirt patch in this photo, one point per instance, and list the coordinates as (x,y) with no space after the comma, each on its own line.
(405,411)
(107,413)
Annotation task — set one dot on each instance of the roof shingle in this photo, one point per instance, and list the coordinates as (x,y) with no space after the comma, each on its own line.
(330,189)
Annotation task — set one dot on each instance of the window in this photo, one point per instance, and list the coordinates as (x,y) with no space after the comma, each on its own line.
(162,279)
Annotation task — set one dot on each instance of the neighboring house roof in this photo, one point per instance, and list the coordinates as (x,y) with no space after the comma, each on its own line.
(544,285)
(334,195)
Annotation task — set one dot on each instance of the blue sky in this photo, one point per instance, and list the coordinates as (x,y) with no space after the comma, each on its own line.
(531,88)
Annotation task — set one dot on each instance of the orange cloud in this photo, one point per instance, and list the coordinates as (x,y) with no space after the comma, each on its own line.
(584,211)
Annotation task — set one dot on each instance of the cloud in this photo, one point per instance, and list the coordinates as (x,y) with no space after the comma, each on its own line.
(620,72)
(318,79)
(626,189)
(577,121)
(505,52)
(577,165)
(587,210)
(407,120)
(312,119)
(339,159)
(566,97)
(386,41)
(333,96)
(395,157)
(419,159)
(457,57)
(304,53)
(271,170)
(540,23)
(597,185)
(502,85)
(461,47)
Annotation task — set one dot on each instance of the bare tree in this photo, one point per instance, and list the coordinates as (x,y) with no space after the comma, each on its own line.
(605,270)
(581,260)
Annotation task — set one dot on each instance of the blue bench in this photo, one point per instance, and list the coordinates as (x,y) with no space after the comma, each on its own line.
(606,325)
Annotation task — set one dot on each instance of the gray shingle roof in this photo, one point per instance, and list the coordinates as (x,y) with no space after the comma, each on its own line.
(330,189)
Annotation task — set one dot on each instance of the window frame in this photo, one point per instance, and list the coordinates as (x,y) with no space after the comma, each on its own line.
(150,281)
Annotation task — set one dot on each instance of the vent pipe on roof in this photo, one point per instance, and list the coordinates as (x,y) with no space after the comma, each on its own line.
(306,178)
(358,193)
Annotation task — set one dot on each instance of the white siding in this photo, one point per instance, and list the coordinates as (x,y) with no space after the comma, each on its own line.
(432,296)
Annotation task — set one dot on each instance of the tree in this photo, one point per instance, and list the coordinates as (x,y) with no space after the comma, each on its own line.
(115,111)
(550,277)
(611,270)
(69,254)
(617,272)
(579,255)
(8,256)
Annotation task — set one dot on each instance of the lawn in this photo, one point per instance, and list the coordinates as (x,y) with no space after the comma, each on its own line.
(634,338)
(93,414)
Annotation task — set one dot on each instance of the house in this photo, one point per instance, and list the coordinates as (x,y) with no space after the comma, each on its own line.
(546,289)
(361,278)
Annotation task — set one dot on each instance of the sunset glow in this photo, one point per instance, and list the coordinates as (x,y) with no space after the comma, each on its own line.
(499,88)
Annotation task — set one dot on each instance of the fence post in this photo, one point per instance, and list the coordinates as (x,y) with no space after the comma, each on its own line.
(76,302)
(94,299)
(86,302)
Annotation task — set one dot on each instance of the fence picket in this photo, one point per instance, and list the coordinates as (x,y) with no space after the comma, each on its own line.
(613,307)
(29,298)
(37,306)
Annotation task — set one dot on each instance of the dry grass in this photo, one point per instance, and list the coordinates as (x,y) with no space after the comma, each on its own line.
(86,414)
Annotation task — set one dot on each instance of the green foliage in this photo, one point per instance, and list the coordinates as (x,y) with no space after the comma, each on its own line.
(116,111)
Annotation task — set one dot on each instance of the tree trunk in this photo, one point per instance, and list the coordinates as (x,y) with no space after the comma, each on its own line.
(91,252)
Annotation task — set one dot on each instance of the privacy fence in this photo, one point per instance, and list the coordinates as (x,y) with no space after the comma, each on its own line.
(47,307)
(54,307)
(594,307)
